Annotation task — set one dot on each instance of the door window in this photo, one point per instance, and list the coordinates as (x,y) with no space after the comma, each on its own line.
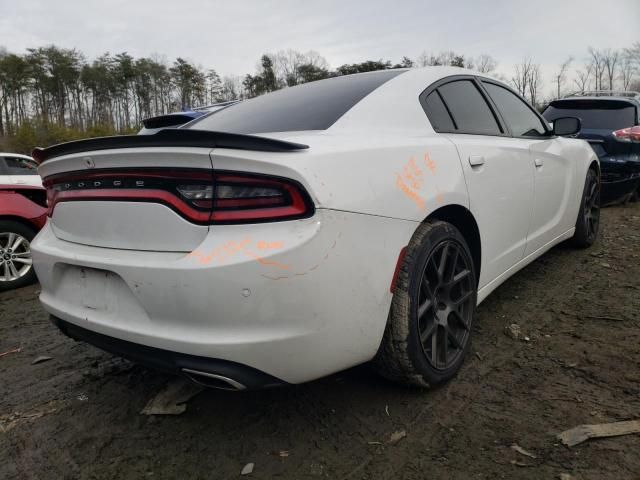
(470,111)
(519,117)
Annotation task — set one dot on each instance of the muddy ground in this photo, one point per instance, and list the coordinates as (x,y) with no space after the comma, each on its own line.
(78,415)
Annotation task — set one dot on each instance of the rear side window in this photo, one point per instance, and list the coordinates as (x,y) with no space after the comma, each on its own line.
(20,166)
(438,114)
(515,112)
(469,109)
(595,114)
(312,106)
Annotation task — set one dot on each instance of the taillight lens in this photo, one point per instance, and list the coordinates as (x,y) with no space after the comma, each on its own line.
(629,134)
(248,198)
(201,197)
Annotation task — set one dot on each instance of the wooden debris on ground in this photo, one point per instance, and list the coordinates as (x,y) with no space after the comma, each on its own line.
(513,331)
(13,350)
(396,437)
(522,451)
(173,398)
(40,359)
(8,422)
(581,433)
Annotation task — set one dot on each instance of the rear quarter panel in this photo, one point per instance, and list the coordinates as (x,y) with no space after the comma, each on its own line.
(15,205)
(580,152)
(403,178)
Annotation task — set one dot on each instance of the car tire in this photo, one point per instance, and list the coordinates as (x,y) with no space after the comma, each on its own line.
(588,221)
(11,229)
(423,324)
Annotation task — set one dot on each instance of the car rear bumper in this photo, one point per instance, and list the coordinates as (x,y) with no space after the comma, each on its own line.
(210,372)
(620,177)
(295,300)
(615,188)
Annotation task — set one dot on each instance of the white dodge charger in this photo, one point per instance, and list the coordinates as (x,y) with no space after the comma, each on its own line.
(311,229)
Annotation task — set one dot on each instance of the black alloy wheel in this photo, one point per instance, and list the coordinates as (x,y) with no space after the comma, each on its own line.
(444,311)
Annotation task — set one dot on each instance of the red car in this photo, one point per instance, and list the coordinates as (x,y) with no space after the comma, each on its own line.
(23,212)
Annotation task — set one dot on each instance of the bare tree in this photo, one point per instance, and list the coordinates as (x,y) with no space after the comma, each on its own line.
(287,64)
(423,59)
(561,76)
(583,77)
(231,88)
(443,58)
(633,53)
(630,66)
(528,80)
(610,60)
(520,80)
(485,63)
(535,84)
(628,70)
(598,66)
(316,60)
(448,58)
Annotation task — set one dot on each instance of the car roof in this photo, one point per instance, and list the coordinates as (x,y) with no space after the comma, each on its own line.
(391,107)
(394,106)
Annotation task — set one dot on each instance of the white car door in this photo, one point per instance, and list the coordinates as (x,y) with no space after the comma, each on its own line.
(497,169)
(22,170)
(553,172)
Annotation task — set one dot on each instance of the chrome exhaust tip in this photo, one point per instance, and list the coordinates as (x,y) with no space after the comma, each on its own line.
(213,380)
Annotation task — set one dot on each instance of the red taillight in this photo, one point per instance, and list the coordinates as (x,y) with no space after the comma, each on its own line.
(629,134)
(245,198)
(199,196)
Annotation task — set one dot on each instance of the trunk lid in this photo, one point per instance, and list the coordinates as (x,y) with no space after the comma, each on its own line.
(106,216)
(156,192)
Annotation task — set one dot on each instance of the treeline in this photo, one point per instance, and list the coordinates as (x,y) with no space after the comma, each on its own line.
(51,94)
(55,85)
(601,69)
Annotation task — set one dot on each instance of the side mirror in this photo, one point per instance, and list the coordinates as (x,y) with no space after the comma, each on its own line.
(566,126)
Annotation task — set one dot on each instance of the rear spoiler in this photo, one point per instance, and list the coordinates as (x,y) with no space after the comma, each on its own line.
(171,137)
(588,103)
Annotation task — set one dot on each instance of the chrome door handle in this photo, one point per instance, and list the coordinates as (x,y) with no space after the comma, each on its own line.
(476,160)
(539,162)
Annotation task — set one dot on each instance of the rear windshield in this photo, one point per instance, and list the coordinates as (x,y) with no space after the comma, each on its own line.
(20,166)
(595,114)
(312,106)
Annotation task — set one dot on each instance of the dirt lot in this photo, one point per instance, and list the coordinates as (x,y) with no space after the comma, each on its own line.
(78,415)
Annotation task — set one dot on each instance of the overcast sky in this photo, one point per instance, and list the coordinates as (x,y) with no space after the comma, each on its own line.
(231,35)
